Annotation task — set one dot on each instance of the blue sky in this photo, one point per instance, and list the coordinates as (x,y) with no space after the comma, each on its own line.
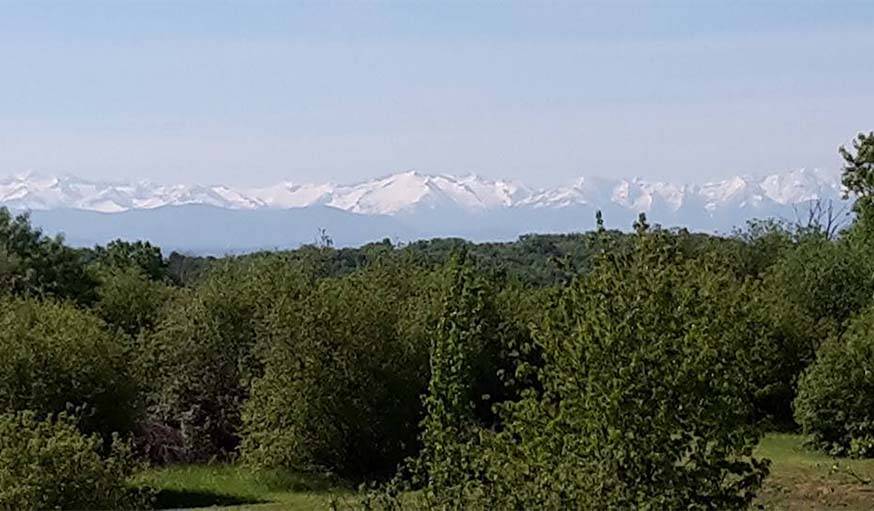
(256,92)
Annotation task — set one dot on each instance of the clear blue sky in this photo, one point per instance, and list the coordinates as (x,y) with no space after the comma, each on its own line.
(256,92)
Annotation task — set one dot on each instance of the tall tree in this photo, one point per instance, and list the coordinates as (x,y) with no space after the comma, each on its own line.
(858,172)
(33,264)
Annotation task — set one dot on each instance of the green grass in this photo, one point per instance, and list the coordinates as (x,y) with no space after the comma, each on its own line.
(239,488)
(800,479)
(806,480)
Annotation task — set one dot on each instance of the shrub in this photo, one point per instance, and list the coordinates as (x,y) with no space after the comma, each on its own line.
(808,297)
(49,464)
(56,358)
(33,264)
(190,365)
(344,369)
(826,282)
(199,361)
(835,403)
(128,301)
(463,344)
(644,401)
(779,355)
(139,255)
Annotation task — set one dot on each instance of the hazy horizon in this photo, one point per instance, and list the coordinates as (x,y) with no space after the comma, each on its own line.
(249,94)
(27,174)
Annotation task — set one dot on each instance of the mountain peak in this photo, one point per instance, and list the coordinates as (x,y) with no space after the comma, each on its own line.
(411,191)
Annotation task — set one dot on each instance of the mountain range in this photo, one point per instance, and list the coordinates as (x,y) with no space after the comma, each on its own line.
(403,207)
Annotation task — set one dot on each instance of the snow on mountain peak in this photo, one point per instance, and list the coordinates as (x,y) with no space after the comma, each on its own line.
(412,191)
(801,185)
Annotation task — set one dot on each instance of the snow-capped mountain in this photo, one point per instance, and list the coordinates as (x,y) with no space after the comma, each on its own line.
(409,191)
(403,206)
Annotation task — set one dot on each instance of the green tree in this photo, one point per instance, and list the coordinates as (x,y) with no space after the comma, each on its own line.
(858,175)
(761,244)
(821,284)
(200,359)
(193,367)
(462,334)
(835,404)
(33,264)
(49,464)
(124,255)
(643,404)
(58,358)
(129,301)
(344,368)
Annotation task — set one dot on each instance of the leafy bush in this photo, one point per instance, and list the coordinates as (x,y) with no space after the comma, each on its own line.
(199,361)
(644,401)
(835,403)
(858,172)
(138,255)
(33,264)
(462,348)
(826,282)
(344,369)
(128,301)
(777,359)
(762,243)
(808,296)
(191,368)
(49,464)
(57,358)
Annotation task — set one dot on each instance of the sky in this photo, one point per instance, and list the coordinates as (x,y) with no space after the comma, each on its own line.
(256,92)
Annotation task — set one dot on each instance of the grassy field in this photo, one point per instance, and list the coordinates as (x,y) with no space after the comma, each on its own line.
(799,480)
(236,488)
(805,480)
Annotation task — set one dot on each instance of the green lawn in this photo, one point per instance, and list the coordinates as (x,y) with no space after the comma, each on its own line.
(805,480)
(238,488)
(799,480)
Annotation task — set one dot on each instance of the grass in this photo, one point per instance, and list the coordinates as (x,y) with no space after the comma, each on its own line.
(805,480)
(239,488)
(800,479)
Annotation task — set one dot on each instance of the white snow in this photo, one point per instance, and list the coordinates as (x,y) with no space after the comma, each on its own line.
(411,191)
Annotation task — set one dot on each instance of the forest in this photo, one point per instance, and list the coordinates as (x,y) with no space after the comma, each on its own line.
(597,370)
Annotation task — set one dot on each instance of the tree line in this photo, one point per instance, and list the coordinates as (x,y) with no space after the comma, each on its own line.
(598,370)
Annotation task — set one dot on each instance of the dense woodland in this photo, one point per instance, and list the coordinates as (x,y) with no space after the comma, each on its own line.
(601,370)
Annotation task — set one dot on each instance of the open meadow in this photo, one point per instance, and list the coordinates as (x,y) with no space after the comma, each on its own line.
(800,479)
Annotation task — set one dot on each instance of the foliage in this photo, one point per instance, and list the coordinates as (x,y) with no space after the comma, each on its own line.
(188,270)
(763,243)
(201,358)
(33,264)
(128,301)
(470,351)
(57,358)
(193,365)
(835,403)
(858,181)
(535,259)
(138,255)
(827,281)
(808,296)
(598,370)
(49,464)
(811,284)
(344,371)
(644,401)
(858,175)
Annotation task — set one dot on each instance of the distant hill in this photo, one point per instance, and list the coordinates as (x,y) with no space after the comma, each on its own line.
(403,207)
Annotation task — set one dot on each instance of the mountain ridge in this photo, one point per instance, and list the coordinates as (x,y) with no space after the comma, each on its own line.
(403,207)
(401,193)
